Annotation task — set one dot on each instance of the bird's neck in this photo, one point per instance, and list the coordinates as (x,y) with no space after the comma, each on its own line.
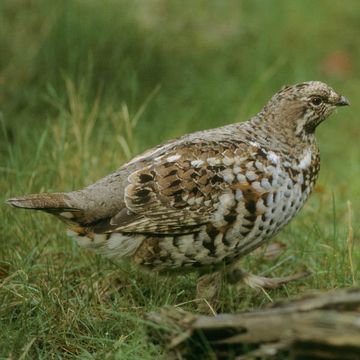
(279,136)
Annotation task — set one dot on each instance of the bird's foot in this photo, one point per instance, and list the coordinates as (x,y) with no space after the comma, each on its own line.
(255,281)
(207,291)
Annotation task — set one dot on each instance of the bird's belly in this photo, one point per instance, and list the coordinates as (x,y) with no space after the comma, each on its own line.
(215,244)
(280,208)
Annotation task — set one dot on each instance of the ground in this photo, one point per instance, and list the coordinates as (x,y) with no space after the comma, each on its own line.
(86,86)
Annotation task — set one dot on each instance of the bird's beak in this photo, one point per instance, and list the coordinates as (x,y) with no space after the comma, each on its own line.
(342,101)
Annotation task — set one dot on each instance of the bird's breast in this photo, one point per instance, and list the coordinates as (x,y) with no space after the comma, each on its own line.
(262,200)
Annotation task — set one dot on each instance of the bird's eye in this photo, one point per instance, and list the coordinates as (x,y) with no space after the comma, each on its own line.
(316,101)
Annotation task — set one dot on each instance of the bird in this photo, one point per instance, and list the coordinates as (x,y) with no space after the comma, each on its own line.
(205,199)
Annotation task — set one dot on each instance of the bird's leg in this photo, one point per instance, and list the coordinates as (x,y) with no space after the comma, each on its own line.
(208,289)
(236,274)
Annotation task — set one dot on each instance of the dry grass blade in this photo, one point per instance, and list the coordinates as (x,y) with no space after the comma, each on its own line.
(350,241)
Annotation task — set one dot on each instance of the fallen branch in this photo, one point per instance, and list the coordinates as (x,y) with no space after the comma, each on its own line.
(316,326)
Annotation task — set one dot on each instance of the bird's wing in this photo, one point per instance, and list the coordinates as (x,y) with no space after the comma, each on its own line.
(178,191)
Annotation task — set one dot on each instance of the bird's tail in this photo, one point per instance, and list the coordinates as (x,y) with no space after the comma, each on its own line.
(59,204)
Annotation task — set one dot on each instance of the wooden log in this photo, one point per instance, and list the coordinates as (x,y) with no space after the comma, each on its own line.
(314,326)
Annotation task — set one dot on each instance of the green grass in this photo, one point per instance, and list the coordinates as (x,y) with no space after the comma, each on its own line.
(87,85)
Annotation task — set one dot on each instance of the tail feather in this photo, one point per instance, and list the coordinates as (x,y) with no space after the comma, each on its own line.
(44,201)
(58,204)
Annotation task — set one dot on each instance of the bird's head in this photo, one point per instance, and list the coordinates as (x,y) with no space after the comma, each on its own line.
(302,107)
